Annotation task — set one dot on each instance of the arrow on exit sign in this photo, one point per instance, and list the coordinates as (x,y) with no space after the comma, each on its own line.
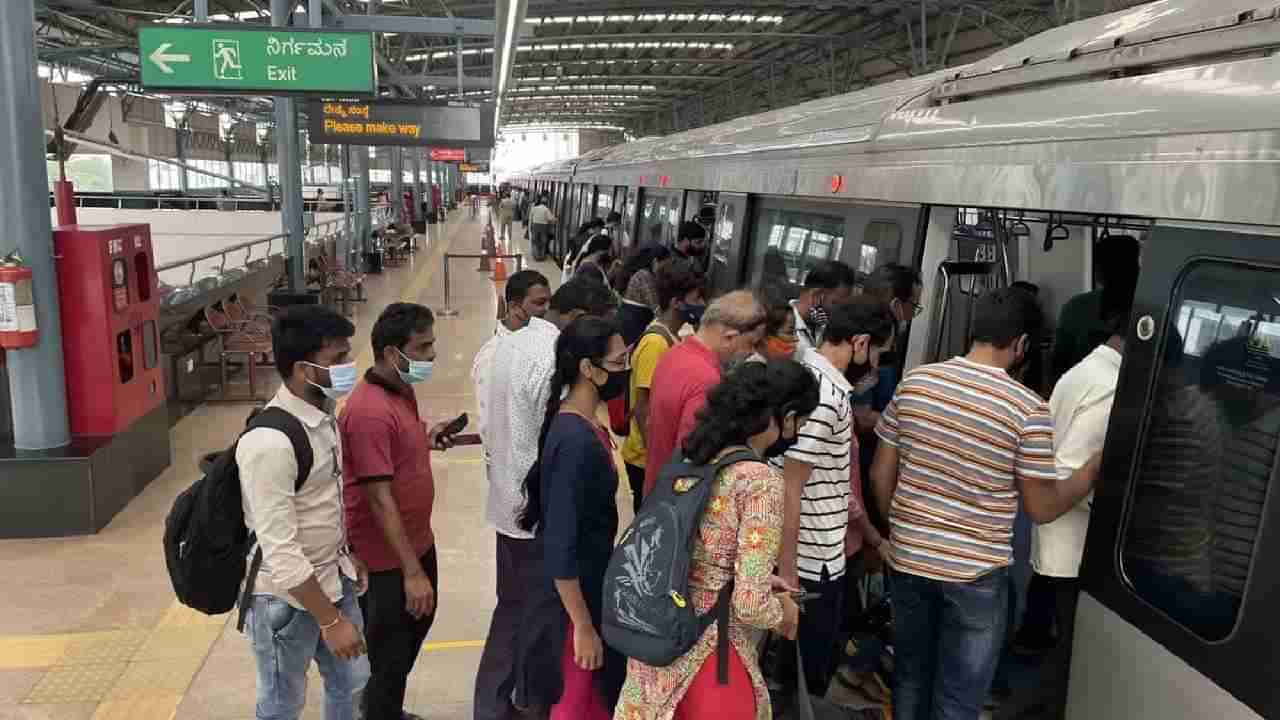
(162,58)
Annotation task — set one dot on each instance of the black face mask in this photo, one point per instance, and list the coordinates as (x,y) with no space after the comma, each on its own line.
(782,444)
(615,385)
(857,371)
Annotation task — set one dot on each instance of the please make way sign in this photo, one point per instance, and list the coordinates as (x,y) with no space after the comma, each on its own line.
(227,59)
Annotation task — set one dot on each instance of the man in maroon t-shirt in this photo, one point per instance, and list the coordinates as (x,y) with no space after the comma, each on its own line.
(388,494)
(731,327)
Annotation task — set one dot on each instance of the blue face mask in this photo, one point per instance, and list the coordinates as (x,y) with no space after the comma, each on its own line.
(341,379)
(419,370)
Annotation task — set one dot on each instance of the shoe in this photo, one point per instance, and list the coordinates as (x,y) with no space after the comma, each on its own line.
(410,716)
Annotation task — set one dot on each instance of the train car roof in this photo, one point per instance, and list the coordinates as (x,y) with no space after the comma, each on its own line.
(1179,61)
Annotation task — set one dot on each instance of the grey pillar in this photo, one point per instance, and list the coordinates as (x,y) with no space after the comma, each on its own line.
(344,240)
(397,183)
(417,184)
(364,226)
(37,387)
(182,135)
(288,161)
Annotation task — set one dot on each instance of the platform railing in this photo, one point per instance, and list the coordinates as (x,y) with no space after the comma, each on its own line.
(264,248)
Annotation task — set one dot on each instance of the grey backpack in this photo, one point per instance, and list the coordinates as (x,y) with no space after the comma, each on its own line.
(648,612)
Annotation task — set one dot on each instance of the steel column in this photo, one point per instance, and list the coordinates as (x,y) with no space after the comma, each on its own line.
(397,184)
(344,239)
(417,183)
(364,225)
(288,162)
(37,386)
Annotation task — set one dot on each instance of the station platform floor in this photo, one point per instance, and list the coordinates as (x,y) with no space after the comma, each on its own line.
(89,627)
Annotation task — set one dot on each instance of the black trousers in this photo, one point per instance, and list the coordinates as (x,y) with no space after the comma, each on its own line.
(635,478)
(519,562)
(818,635)
(394,638)
(1047,699)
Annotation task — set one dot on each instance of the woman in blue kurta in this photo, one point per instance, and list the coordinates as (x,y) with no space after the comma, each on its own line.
(571,493)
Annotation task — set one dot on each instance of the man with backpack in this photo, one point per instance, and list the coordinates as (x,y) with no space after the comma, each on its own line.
(305,584)
(680,296)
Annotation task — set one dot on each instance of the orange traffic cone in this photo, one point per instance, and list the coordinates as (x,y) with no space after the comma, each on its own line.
(499,269)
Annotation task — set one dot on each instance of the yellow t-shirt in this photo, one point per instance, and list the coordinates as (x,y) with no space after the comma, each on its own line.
(644,360)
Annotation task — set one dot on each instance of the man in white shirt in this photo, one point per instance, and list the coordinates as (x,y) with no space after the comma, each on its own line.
(518,389)
(1081,408)
(816,471)
(527,294)
(540,221)
(304,604)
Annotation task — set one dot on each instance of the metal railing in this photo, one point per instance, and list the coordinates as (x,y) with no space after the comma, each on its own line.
(197,202)
(449,310)
(318,234)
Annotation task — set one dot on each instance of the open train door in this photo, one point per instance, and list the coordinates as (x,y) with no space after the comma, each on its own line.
(1177,618)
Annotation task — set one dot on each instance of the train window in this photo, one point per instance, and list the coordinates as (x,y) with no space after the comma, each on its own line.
(629,217)
(1209,454)
(881,243)
(794,242)
(604,201)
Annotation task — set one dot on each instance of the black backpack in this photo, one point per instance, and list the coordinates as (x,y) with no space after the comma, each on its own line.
(648,614)
(205,538)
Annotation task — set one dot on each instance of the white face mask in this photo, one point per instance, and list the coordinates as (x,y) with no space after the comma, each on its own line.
(342,378)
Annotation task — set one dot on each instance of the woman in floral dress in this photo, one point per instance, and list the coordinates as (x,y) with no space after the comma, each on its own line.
(761,407)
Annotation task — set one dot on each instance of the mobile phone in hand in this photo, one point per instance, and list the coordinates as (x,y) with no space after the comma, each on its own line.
(455,426)
(465,439)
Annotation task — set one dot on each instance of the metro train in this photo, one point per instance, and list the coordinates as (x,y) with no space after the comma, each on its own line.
(1161,122)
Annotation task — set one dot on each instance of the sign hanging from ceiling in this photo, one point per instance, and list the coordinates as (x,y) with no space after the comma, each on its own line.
(233,59)
(473,167)
(398,122)
(447,155)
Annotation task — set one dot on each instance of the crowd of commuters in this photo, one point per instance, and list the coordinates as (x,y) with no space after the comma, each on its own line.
(854,465)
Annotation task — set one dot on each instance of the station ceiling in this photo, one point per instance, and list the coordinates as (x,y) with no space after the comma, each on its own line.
(648,66)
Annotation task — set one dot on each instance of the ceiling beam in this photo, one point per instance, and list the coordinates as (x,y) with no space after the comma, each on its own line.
(659,35)
(624,78)
(469,82)
(411,25)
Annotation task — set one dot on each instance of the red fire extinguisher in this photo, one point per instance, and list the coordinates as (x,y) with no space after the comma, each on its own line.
(17,305)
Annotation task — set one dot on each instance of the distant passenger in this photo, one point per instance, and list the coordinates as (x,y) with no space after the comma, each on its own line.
(1081,409)
(760,407)
(1080,326)
(389,495)
(691,245)
(779,341)
(588,239)
(730,329)
(637,277)
(307,583)
(829,283)
(952,516)
(774,268)
(816,472)
(519,388)
(595,258)
(680,294)
(540,221)
(506,213)
(563,666)
(613,228)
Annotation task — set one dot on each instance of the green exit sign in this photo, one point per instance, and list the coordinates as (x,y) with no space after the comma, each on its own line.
(233,59)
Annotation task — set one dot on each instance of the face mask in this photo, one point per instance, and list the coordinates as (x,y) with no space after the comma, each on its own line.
(781,445)
(614,386)
(341,379)
(779,347)
(419,370)
(817,316)
(693,313)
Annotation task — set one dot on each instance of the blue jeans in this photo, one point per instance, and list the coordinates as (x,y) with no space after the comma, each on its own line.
(285,641)
(947,639)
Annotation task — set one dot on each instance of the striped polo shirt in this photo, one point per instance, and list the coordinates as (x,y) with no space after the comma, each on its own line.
(964,433)
(824,443)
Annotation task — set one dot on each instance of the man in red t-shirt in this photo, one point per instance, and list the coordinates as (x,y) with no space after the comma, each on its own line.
(731,327)
(388,495)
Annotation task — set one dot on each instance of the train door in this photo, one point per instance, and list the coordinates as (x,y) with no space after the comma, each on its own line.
(1177,615)
(630,201)
(728,243)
